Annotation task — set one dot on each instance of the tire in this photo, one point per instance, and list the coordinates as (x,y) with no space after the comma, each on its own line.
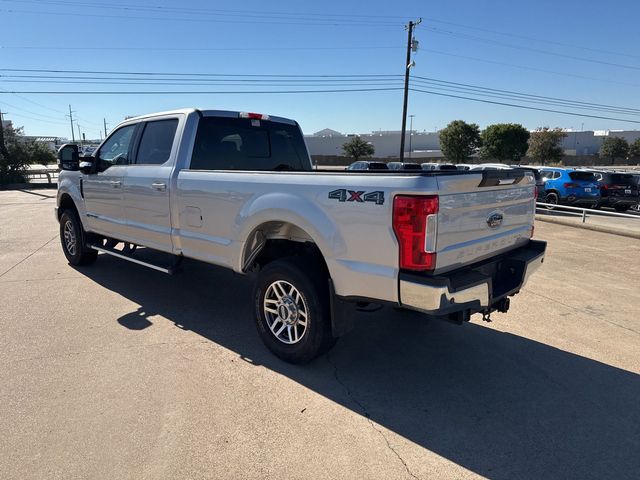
(72,238)
(621,208)
(551,198)
(297,326)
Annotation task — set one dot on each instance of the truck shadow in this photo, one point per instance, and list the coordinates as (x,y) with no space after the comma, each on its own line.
(497,404)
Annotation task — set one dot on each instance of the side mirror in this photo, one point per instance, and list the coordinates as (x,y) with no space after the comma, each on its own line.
(86,165)
(68,157)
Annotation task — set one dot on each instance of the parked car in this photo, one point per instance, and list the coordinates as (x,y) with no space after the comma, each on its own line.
(636,179)
(238,190)
(618,190)
(365,165)
(464,166)
(564,186)
(490,166)
(403,166)
(438,166)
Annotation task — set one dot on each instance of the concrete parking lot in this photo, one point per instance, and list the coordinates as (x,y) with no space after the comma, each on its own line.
(115,371)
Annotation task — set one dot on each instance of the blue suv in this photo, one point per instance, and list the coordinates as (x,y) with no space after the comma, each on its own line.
(564,186)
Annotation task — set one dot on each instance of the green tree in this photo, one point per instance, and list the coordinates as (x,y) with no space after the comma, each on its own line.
(16,154)
(41,153)
(614,147)
(544,145)
(459,140)
(505,142)
(634,149)
(357,148)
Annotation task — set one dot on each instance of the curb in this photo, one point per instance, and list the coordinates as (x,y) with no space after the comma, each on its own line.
(28,186)
(587,226)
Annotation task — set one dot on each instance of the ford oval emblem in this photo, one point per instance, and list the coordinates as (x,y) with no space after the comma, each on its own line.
(495,220)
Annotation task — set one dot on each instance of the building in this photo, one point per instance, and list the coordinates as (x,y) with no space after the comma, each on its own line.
(427,144)
(386,143)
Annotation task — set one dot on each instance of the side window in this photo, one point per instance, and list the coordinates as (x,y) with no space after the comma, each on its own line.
(247,144)
(115,151)
(156,142)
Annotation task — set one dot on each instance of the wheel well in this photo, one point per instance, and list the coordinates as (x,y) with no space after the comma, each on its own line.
(274,240)
(66,203)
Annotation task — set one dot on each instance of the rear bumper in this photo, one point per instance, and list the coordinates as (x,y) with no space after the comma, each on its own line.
(613,201)
(476,288)
(574,200)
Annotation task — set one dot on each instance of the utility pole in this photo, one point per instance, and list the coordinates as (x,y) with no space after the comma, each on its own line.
(408,64)
(73,138)
(79,135)
(104,121)
(3,147)
(410,135)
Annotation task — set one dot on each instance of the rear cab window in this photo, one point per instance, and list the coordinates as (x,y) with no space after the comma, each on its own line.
(224,143)
(156,142)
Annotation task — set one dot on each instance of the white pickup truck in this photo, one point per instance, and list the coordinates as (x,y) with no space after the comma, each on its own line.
(239,190)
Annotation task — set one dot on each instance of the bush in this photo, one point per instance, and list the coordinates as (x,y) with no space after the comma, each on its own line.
(16,154)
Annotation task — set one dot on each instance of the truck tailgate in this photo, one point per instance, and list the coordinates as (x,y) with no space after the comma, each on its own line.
(482,215)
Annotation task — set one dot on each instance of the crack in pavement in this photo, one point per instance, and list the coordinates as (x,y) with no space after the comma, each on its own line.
(366,414)
(28,256)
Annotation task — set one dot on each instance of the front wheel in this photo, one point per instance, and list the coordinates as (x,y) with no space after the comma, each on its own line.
(621,208)
(291,303)
(72,240)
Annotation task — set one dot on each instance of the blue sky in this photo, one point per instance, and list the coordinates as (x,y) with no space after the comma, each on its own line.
(569,50)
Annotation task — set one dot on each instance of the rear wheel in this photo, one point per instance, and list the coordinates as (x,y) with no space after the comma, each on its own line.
(621,208)
(291,303)
(553,199)
(72,238)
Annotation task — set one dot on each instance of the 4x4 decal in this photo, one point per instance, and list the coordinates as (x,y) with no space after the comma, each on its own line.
(360,196)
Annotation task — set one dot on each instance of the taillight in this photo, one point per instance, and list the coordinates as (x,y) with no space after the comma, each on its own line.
(254,116)
(415,222)
(571,185)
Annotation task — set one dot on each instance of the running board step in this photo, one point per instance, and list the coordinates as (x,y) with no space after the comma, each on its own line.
(168,270)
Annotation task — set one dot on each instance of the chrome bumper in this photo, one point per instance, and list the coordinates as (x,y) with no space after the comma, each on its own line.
(477,287)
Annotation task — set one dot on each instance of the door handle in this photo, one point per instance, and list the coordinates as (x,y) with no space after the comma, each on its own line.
(161,186)
(115,183)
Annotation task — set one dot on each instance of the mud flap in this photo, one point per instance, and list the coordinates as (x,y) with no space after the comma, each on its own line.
(342,313)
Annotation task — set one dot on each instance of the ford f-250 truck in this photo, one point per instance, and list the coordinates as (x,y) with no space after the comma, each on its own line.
(239,190)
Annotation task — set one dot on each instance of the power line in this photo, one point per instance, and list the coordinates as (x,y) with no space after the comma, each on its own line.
(207,20)
(21,109)
(194,92)
(525,107)
(241,75)
(325,17)
(522,94)
(530,49)
(533,69)
(39,104)
(520,99)
(198,49)
(535,39)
